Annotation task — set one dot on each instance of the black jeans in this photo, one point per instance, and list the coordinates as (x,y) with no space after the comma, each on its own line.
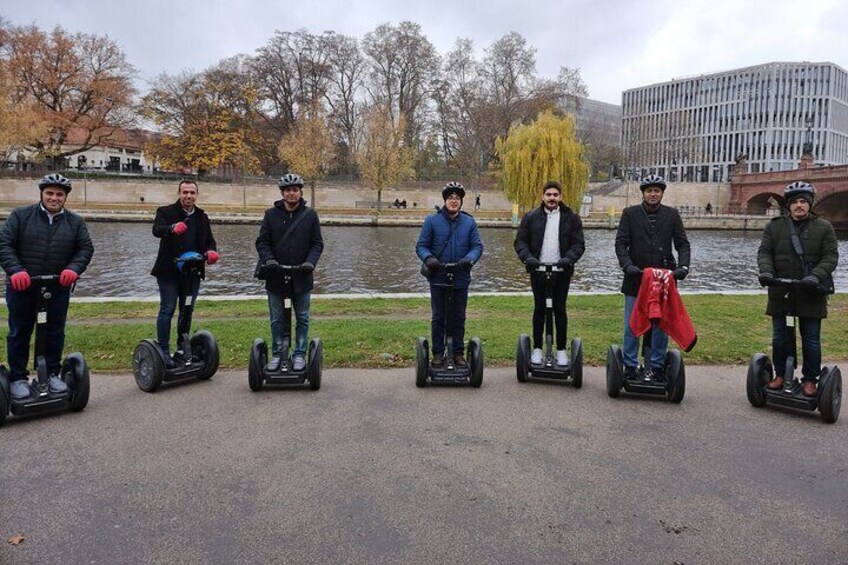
(561,284)
(438,298)
(22,317)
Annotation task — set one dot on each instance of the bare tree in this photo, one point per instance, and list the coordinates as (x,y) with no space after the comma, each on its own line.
(347,68)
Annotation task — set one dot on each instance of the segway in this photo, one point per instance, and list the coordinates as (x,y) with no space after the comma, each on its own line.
(196,356)
(671,384)
(74,370)
(257,372)
(548,368)
(449,373)
(761,371)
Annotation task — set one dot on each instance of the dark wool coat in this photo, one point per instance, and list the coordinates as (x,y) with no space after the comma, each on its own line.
(28,242)
(172,245)
(531,234)
(637,244)
(777,256)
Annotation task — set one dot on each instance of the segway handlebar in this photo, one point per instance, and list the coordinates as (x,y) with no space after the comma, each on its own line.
(790,283)
(43,278)
(552,267)
(191,260)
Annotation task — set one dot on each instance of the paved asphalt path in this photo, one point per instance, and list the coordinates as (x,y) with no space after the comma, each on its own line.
(371,469)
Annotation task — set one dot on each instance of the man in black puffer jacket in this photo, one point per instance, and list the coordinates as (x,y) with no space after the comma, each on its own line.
(290,235)
(41,239)
(644,239)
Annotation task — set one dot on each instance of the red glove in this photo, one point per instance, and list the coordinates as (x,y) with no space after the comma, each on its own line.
(179,228)
(67,277)
(20,281)
(212,257)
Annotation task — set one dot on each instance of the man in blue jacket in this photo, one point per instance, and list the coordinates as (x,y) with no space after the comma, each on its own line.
(449,236)
(290,235)
(41,239)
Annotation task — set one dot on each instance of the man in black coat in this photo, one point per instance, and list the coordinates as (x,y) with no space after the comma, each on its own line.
(41,239)
(181,227)
(551,233)
(644,239)
(290,235)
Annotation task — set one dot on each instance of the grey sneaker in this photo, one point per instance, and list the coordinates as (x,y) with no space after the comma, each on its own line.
(20,389)
(298,363)
(274,364)
(561,358)
(56,385)
(536,357)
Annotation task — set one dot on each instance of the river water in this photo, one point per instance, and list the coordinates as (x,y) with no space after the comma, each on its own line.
(382,260)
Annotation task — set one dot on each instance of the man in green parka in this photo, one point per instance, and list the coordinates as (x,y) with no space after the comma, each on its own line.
(777,257)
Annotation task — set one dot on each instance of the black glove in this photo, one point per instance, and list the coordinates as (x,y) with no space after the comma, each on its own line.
(633,271)
(306,267)
(765,278)
(565,264)
(465,263)
(531,264)
(680,273)
(271,263)
(432,263)
(810,282)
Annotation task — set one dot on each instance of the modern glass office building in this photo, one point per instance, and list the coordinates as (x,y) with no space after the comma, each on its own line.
(697,128)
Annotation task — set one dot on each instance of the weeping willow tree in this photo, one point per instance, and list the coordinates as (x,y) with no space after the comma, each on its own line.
(535,153)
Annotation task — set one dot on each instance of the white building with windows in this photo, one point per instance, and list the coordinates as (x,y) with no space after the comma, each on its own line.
(697,128)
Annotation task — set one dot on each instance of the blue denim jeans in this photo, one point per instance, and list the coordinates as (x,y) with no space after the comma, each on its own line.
(169,295)
(659,340)
(438,298)
(810,346)
(22,318)
(281,327)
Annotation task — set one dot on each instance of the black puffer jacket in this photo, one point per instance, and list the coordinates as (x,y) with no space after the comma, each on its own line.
(29,242)
(303,245)
(637,244)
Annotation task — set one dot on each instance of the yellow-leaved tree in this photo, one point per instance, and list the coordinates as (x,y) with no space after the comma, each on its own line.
(383,157)
(308,149)
(541,151)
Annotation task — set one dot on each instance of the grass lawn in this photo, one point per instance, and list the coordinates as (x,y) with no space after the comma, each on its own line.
(381,332)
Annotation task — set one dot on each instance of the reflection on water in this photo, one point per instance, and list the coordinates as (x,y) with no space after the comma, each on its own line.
(382,259)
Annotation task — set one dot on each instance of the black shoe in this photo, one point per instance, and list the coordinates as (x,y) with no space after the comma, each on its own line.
(438,360)
(274,364)
(169,363)
(658,373)
(631,373)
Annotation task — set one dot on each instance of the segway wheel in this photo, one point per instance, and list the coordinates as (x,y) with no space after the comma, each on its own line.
(675,376)
(422,362)
(76,376)
(206,348)
(522,358)
(148,366)
(256,364)
(316,363)
(577,362)
(475,358)
(615,371)
(4,394)
(830,395)
(760,372)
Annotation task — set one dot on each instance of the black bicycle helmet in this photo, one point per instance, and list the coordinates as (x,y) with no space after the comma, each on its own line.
(799,188)
(652,180)
(290,179)
(55,179)
(453,188)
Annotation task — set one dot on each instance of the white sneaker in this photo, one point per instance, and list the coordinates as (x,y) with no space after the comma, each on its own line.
(562,358)
(536,357)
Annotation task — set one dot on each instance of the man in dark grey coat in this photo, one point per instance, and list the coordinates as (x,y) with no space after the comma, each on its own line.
(777,258)
(41,239)
(644,239)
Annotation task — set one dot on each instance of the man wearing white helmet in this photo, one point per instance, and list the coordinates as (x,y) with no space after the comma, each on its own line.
(41,239)
(290,235)
(644,239)
(813,263)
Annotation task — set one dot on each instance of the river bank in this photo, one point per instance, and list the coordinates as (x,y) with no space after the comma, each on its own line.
(381,332)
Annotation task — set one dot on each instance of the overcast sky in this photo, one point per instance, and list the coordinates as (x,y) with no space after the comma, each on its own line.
(616,44)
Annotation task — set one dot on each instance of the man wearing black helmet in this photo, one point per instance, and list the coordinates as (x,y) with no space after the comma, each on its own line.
(290,235)
(449,236)
(41,239)
(813,264)
(181,227)
(644,239)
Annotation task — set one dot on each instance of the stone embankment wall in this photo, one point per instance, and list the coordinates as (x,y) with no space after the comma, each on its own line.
(692,195)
